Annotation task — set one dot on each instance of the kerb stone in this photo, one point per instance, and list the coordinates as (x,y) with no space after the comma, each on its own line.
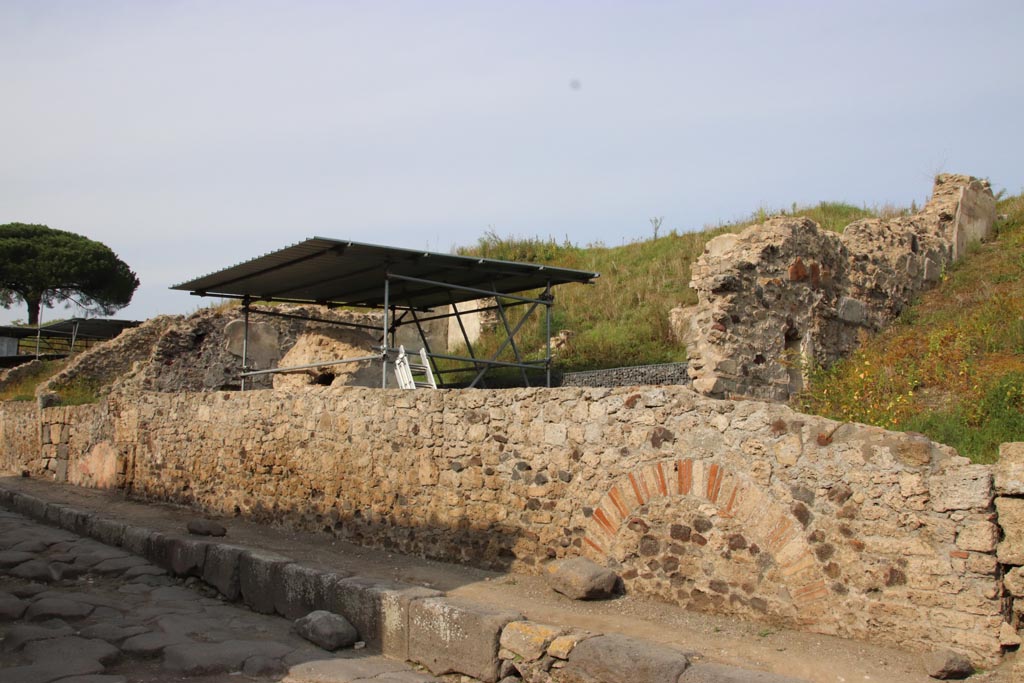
(187,556)
(258,573)
(221,569)
(454,636)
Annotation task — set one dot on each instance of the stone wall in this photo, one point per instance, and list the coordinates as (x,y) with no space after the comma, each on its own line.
(785,295)
(19,435)
(742,507)
(637,375)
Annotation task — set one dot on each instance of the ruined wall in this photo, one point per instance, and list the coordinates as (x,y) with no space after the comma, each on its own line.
(732,507)
(19,435)
(786,294)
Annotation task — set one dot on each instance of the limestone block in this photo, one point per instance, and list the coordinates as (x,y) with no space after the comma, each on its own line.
(455,636)
(561,646)
(1014,582)
(979,536)
(1011,519)
(220,569)
(620,658)
(1009,470)
(580,578)
(962,488)
(527,639)
(258,573)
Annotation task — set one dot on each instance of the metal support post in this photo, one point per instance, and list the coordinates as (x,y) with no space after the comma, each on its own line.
(547,326)
(384,340)
(245,340)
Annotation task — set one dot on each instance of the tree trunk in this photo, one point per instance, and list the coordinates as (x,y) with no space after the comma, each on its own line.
(33,309)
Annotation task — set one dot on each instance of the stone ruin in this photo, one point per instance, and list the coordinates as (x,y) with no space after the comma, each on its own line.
(786,295)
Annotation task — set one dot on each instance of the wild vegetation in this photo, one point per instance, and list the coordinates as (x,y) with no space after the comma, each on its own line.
(952,367)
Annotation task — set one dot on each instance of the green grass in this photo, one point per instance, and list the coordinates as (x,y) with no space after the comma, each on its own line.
(24,388)
(952,367)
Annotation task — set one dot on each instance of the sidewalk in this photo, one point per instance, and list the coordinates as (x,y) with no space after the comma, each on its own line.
(706,638)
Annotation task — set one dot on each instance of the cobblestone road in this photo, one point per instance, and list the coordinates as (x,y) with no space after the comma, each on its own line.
(77,611)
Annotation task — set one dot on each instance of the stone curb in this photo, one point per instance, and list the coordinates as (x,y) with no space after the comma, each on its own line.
(406,622)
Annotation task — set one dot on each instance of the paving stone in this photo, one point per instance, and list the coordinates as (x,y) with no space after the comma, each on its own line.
(262,665)
(716,673)
(580,579)
(112,633)
(326,629)
(11,608)
(94,678)
(54,669)
(12,558)
(29,590)
(31,545)
(151,644)
(74,647)
(175,594)
(38,570)
(146,569)
(21,634)
(343,670)
(194,659)
(47,608)
(612,658)
(136,589)
(453,636)
(119,565)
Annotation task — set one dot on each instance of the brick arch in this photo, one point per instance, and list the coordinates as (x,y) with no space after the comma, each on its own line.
(736,497)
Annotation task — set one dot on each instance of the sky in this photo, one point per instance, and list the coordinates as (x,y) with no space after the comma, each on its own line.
(189,136)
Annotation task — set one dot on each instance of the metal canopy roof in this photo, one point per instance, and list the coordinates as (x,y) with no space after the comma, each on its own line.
(322,270)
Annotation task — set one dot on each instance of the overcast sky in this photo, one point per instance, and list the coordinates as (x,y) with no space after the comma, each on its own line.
(189,136)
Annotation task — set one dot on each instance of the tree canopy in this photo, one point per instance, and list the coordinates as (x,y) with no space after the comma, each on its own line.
(40,265)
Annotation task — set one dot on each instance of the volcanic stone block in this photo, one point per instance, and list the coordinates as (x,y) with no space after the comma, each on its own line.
(378,609)
(455,636)
(258,573)
(137,539)
(327,630)
(109,531)
(188,556)
(300,590)
(221,569)
(620,658)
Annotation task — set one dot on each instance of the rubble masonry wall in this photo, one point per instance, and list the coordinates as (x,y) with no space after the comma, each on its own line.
(743,508)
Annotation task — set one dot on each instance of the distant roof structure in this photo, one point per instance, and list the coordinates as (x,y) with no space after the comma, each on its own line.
(87,328)
(15,332)
(321,270)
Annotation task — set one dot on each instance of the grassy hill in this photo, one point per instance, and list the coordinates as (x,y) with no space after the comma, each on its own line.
(952,367)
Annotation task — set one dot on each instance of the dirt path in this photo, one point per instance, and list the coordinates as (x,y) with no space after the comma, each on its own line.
(823,659)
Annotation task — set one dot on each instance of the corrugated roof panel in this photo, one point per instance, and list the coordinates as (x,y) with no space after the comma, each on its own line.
(336,271)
